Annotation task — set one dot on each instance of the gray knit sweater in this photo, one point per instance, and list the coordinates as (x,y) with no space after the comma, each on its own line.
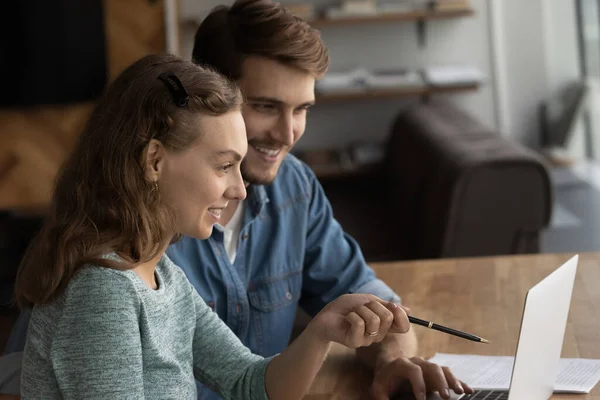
(109,336)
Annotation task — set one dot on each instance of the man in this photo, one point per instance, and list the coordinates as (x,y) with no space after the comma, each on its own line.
(281,247)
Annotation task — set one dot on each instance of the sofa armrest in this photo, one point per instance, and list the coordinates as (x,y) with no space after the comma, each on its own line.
(460,189)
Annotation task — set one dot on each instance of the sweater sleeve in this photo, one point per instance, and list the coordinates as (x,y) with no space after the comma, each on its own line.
(222,362)
(96,352)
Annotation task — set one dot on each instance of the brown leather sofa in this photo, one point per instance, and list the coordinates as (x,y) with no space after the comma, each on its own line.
(449,187)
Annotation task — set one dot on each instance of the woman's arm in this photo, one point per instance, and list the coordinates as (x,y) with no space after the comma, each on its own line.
(347,320)
(290,374)
(221,361)
(224,364)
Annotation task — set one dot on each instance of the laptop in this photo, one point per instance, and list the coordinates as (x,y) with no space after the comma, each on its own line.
(540,340)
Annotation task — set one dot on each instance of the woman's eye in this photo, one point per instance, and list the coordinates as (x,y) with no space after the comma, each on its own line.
(226,167)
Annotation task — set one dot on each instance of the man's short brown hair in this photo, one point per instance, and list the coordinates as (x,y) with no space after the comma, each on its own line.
(258,28)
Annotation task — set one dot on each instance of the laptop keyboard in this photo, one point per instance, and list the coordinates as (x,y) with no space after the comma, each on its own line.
(486,395)
(478,395)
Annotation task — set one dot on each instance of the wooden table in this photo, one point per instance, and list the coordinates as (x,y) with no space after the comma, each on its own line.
(480,295)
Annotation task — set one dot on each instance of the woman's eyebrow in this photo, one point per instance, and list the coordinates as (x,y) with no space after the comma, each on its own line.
(229,153)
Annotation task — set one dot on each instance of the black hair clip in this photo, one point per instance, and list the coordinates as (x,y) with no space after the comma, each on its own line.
(172,82)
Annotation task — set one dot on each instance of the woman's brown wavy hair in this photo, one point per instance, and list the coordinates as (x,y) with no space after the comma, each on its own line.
(102,201)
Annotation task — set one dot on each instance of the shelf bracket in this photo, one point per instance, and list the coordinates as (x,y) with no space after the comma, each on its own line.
(421,32)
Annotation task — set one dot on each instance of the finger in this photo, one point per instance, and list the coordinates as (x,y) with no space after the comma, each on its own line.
(392,304)
(468,389)
(356,333)
(434,377)
(372,321)
(378,392)
(386,318)
(389,379)
(414,373)
(401,323)
(453,382)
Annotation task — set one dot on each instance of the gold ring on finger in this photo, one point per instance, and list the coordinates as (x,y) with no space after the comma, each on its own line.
(368,333)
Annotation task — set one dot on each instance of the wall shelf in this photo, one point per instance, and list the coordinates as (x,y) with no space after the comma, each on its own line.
(389,93)
(393,17)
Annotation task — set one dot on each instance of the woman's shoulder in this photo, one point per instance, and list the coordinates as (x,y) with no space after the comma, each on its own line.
(172,272)
(92,272)
(93,292)
(98,283)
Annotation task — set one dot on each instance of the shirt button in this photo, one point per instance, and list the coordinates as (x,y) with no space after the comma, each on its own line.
(245,236)
(288,295)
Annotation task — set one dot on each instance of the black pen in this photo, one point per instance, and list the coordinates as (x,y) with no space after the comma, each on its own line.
(444,329)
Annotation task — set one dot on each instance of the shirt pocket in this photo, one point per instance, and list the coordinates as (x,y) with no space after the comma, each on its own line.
(275,293)
(272,312)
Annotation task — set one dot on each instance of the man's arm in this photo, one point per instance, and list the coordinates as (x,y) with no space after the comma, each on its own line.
(334,265)
(333,262)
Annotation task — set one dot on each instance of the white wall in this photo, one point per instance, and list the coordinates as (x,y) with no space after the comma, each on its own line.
(562,52)
(539,40)
(563,62)
(528,49)
(521,26)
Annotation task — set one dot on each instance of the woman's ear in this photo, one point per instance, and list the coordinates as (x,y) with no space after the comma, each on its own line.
(154,160)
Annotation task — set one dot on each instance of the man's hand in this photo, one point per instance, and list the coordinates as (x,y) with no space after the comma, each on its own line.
(396,369)
(403,373)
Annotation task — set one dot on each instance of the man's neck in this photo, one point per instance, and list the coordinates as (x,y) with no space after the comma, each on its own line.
(228,212)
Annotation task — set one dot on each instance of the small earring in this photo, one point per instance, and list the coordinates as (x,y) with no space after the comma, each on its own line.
(154,186)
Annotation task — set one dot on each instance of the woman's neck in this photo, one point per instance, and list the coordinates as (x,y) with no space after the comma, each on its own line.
(146,271)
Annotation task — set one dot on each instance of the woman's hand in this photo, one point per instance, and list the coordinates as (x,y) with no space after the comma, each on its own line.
(357,320)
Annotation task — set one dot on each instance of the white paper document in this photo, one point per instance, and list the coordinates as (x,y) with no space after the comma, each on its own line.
(575,375)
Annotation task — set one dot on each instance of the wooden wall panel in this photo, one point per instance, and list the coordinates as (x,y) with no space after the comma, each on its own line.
(35,142)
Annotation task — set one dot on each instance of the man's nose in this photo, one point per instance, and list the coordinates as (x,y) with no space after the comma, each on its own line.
(284,132)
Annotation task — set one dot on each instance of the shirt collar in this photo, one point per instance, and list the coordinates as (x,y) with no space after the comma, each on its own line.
(257,198)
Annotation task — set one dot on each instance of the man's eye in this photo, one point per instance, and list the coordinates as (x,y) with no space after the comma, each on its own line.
(302,109)
(263,107)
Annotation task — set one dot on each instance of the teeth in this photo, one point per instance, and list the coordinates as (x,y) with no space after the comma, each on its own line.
(215,211)
(269,152)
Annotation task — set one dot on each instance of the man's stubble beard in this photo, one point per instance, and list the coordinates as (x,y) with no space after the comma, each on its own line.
(252,178)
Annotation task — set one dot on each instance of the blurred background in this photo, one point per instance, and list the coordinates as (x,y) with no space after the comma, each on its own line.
(444,128)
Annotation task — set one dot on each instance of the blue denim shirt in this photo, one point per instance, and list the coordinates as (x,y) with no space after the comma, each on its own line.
(291,252)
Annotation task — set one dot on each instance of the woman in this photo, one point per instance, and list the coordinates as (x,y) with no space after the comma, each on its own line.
(113,317)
